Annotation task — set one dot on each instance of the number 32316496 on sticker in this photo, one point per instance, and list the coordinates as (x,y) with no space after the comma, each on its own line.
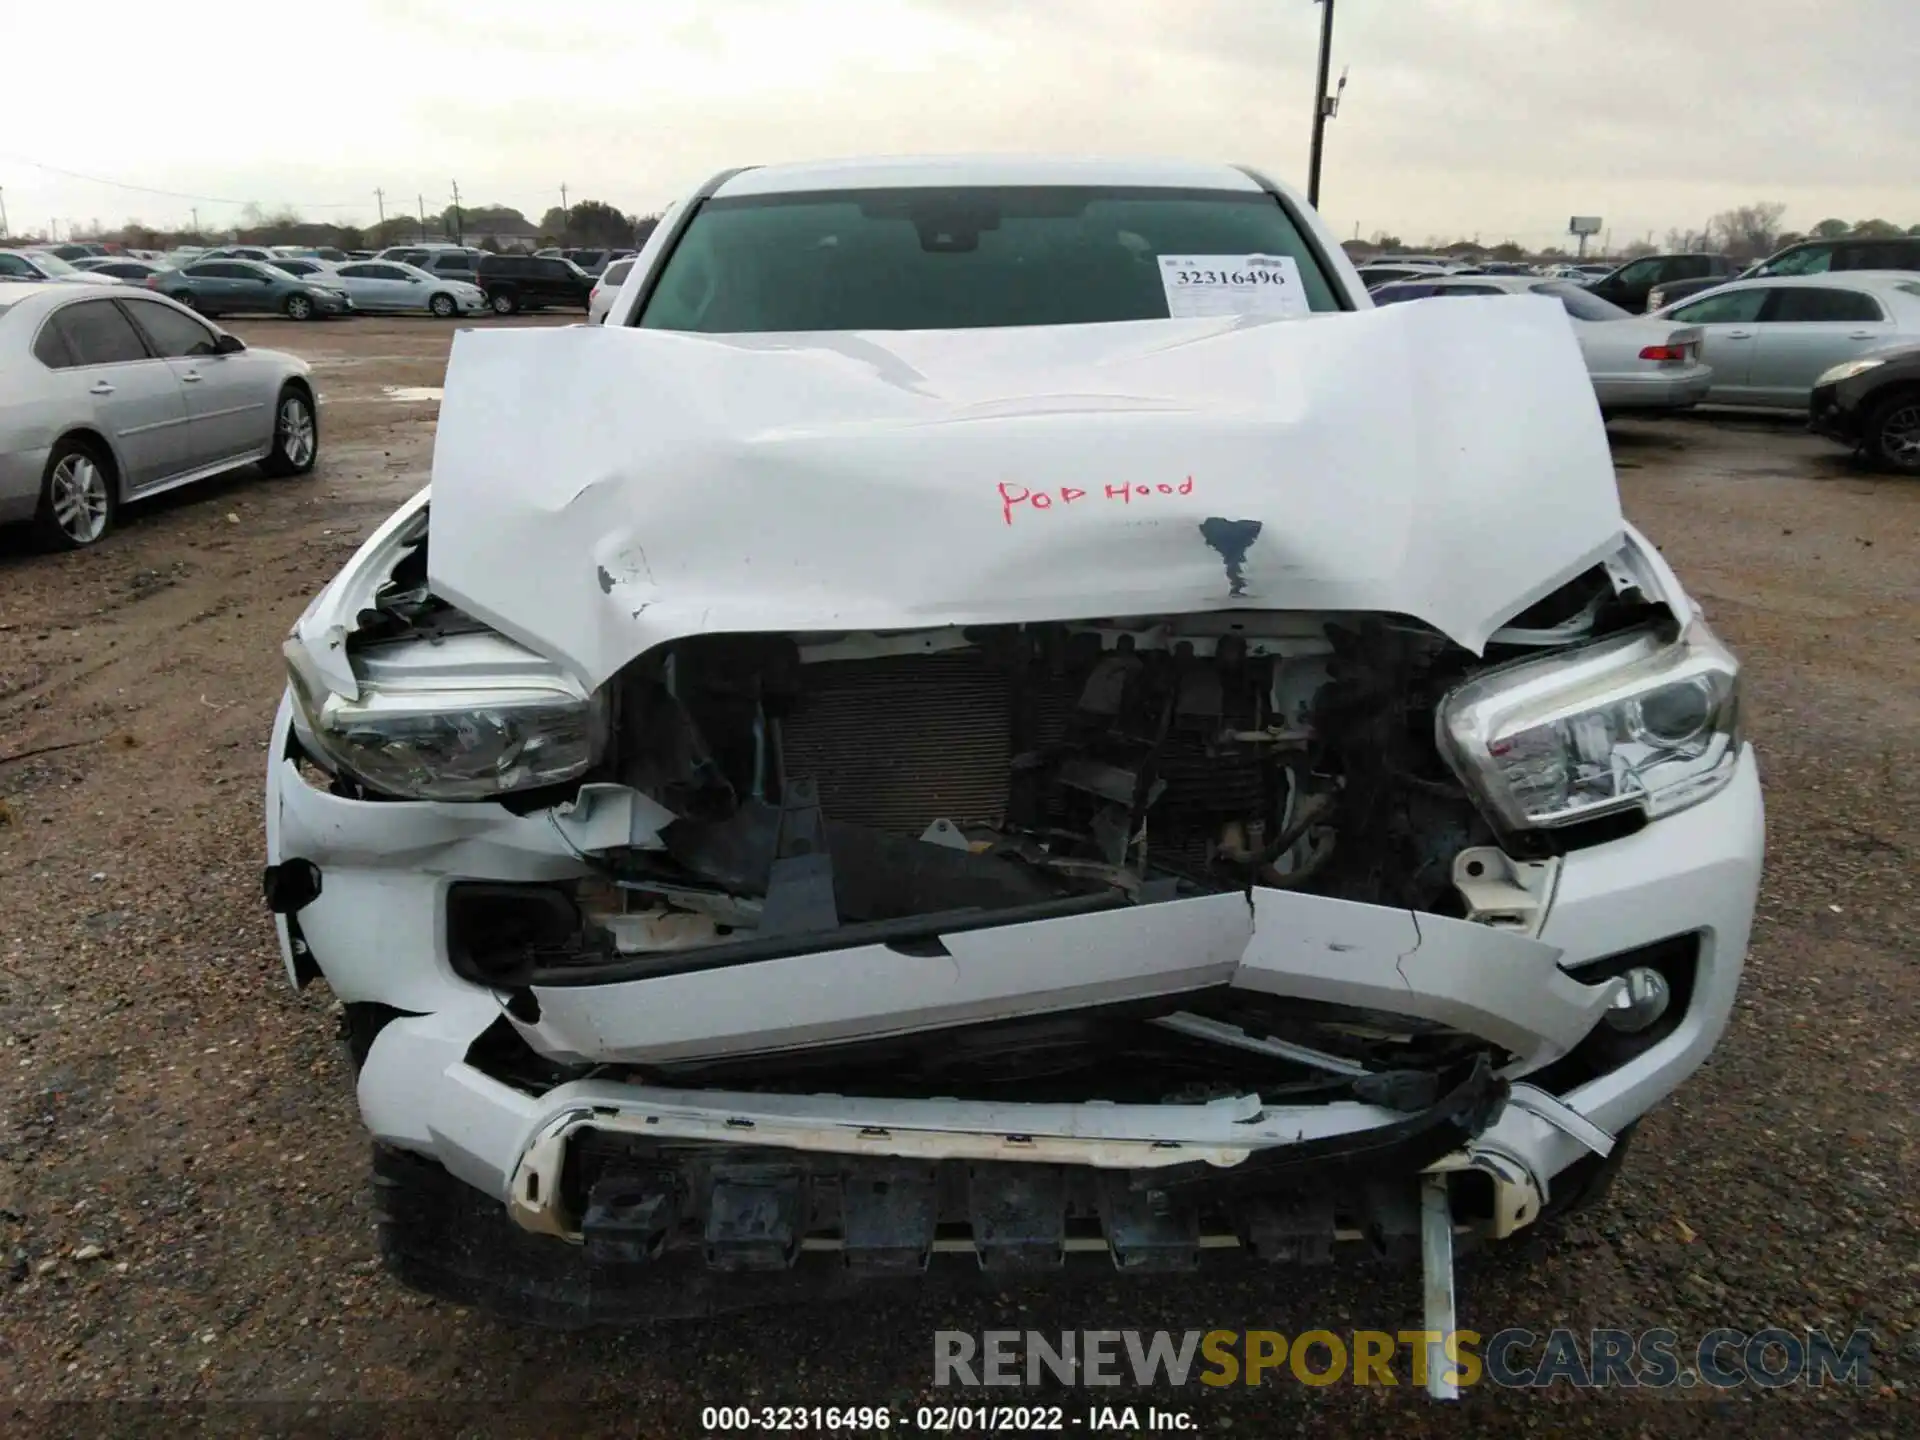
(1018,497)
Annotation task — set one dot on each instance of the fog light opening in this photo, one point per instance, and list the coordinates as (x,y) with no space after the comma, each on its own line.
(1641,1001)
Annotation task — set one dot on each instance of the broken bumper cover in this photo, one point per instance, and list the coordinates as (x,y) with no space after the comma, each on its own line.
(672,1230)
(376,930)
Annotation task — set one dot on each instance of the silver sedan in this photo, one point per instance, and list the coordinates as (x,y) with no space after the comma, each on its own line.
(1638,364)
(109,397)
(393,285)
(1769,339)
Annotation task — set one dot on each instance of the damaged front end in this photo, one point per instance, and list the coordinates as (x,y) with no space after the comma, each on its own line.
(770,960)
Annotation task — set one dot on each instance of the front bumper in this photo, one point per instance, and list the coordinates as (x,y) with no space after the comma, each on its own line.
(1830,415)
(376,930)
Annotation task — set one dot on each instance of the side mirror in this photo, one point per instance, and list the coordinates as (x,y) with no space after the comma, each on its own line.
(228,345)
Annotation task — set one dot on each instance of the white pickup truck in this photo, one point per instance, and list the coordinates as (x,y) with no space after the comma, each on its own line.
(999,717)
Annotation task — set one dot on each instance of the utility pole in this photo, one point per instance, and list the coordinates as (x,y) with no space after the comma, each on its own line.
(1325,106)
(421,200)
(3,211)
(566,219)
(380,200)
(459,225)
(196,220)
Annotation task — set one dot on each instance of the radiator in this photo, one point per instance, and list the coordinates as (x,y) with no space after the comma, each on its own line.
(901,741)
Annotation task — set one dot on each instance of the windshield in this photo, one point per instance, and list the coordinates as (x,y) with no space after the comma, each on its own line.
(53,265)
(1581,303)
(946,259)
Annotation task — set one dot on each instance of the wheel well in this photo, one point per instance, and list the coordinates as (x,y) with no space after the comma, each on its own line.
(97,443)
(1903,390)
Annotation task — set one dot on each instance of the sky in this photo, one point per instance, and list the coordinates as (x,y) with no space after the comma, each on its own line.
(1495,119)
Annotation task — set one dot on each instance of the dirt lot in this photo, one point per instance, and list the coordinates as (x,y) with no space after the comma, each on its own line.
(182,1196)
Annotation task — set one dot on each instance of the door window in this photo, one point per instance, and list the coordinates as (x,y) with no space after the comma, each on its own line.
(98,334)
(1641,272)
(1808,260)
(50,348)
(173,334)
(1792,304)
(14,265)
(1731,307)
(382,272)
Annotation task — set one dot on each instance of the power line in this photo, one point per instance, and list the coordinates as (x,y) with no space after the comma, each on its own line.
(171,194)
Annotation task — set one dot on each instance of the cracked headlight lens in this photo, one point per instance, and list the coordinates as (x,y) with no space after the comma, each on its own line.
(472,741)
(1631,722)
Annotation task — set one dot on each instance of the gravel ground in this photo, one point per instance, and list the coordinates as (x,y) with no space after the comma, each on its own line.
(183,1208)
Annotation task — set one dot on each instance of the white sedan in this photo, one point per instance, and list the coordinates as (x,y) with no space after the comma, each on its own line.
(392,285)
(1636,362)
(1770,339)
(606,289)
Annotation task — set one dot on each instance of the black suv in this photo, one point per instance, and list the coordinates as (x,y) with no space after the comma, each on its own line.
(1811,257)
(527,282)
(1629,286)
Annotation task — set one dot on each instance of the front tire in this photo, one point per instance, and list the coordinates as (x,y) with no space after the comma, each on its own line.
(442,306)
(77,501)
(298,307)
(1892,433)
(296,435)
(504,302)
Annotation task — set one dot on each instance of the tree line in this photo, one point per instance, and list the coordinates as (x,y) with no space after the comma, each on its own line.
(589,223)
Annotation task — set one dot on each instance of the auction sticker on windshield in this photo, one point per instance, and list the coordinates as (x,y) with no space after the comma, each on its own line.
(1232,285)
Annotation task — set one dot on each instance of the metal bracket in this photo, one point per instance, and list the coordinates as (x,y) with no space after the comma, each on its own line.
(800,881)
(1502,892)
(612,817)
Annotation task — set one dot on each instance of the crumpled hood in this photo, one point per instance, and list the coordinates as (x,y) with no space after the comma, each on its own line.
(599,491)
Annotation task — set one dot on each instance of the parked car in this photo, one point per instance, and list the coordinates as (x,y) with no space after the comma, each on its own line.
(77,250)
(1770,340)
(1638,365)
(90,264)
(303,268)
(531,282)
(389,286)
(1873,405)
(240,252)
(37,266)
(250,287)
(1813,257)
(421,253)
(110,396)
(459,265)
(1374,275)
(600,298)
(127,272)
(1628,286)
(722,816)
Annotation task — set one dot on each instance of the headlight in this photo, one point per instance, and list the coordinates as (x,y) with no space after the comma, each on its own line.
(442,738)
(1631,722)
(1846,371)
